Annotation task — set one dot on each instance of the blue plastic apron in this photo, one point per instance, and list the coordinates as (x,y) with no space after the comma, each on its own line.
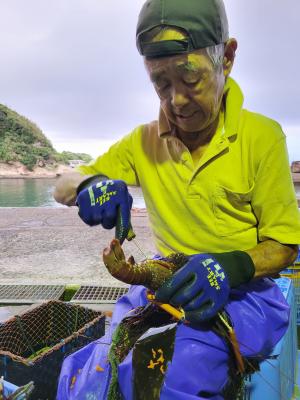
(260,316)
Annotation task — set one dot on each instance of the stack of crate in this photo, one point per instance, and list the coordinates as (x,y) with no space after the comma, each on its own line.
(293,272)
(277,375)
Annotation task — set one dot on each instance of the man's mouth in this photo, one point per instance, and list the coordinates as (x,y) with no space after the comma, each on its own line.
(185,116)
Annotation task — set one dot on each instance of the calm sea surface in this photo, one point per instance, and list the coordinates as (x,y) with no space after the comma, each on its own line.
(38,193)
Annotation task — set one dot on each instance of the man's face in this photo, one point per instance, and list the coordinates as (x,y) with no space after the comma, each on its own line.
(190,89)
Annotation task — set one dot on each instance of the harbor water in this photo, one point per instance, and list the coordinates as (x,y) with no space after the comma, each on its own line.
(20,192)
(39,193)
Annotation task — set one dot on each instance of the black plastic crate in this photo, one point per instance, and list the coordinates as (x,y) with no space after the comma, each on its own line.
(34,345)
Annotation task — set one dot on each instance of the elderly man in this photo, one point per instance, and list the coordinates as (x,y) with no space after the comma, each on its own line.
(217,187)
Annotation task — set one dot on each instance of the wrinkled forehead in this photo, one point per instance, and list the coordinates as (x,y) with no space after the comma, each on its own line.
(192,61)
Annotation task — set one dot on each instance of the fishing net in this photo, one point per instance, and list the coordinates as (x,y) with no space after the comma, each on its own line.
(33,345)
(135,332)
(240,368)
(142,318)
(126,335)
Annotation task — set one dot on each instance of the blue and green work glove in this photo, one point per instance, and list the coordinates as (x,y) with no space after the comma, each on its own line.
(201,287)
(105,202)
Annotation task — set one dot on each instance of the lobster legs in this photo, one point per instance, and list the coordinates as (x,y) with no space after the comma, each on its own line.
(149,273)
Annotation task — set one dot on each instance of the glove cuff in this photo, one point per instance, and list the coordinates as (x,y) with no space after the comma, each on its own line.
(90,181)
(238,266)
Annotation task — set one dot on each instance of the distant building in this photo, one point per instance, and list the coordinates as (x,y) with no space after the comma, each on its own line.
(295,166)
(75,163)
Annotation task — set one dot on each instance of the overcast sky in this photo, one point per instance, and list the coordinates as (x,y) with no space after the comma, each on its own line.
(71,66)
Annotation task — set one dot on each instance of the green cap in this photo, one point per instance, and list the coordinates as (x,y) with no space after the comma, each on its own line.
(204,21)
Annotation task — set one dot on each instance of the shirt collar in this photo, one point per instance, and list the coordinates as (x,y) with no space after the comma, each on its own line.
(233,102)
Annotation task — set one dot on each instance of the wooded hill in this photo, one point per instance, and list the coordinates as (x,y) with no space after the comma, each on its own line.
(22,140)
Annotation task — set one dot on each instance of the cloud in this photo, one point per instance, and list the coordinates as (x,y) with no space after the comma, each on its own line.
(267,59)
(72,67)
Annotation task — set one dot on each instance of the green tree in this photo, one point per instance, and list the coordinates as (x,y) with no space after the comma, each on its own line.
(22,140)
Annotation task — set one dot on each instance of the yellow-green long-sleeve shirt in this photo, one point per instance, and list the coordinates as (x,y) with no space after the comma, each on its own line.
(240,192)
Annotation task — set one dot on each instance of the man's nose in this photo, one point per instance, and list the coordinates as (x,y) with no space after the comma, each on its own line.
(179,98)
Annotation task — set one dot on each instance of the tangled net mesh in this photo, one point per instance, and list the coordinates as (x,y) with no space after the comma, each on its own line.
(33,345)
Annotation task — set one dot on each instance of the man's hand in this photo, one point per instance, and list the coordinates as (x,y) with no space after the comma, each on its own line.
(201,287)
(66,187)
(103,202)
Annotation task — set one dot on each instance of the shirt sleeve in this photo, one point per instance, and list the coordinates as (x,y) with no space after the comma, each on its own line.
(274,200)
(118,162)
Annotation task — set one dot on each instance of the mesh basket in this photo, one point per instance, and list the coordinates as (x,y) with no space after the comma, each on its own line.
(33,345)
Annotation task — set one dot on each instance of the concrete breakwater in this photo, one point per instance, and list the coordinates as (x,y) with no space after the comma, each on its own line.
(53,246)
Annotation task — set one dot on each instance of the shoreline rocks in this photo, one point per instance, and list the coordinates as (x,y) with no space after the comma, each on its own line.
(17,170)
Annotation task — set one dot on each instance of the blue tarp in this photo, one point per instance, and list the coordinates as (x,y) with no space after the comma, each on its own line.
(260,316)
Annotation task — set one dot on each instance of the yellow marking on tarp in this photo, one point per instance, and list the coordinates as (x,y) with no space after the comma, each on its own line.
(157,362)
(73,380)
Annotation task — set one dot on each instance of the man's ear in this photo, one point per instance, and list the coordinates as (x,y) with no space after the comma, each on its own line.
(229,55)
